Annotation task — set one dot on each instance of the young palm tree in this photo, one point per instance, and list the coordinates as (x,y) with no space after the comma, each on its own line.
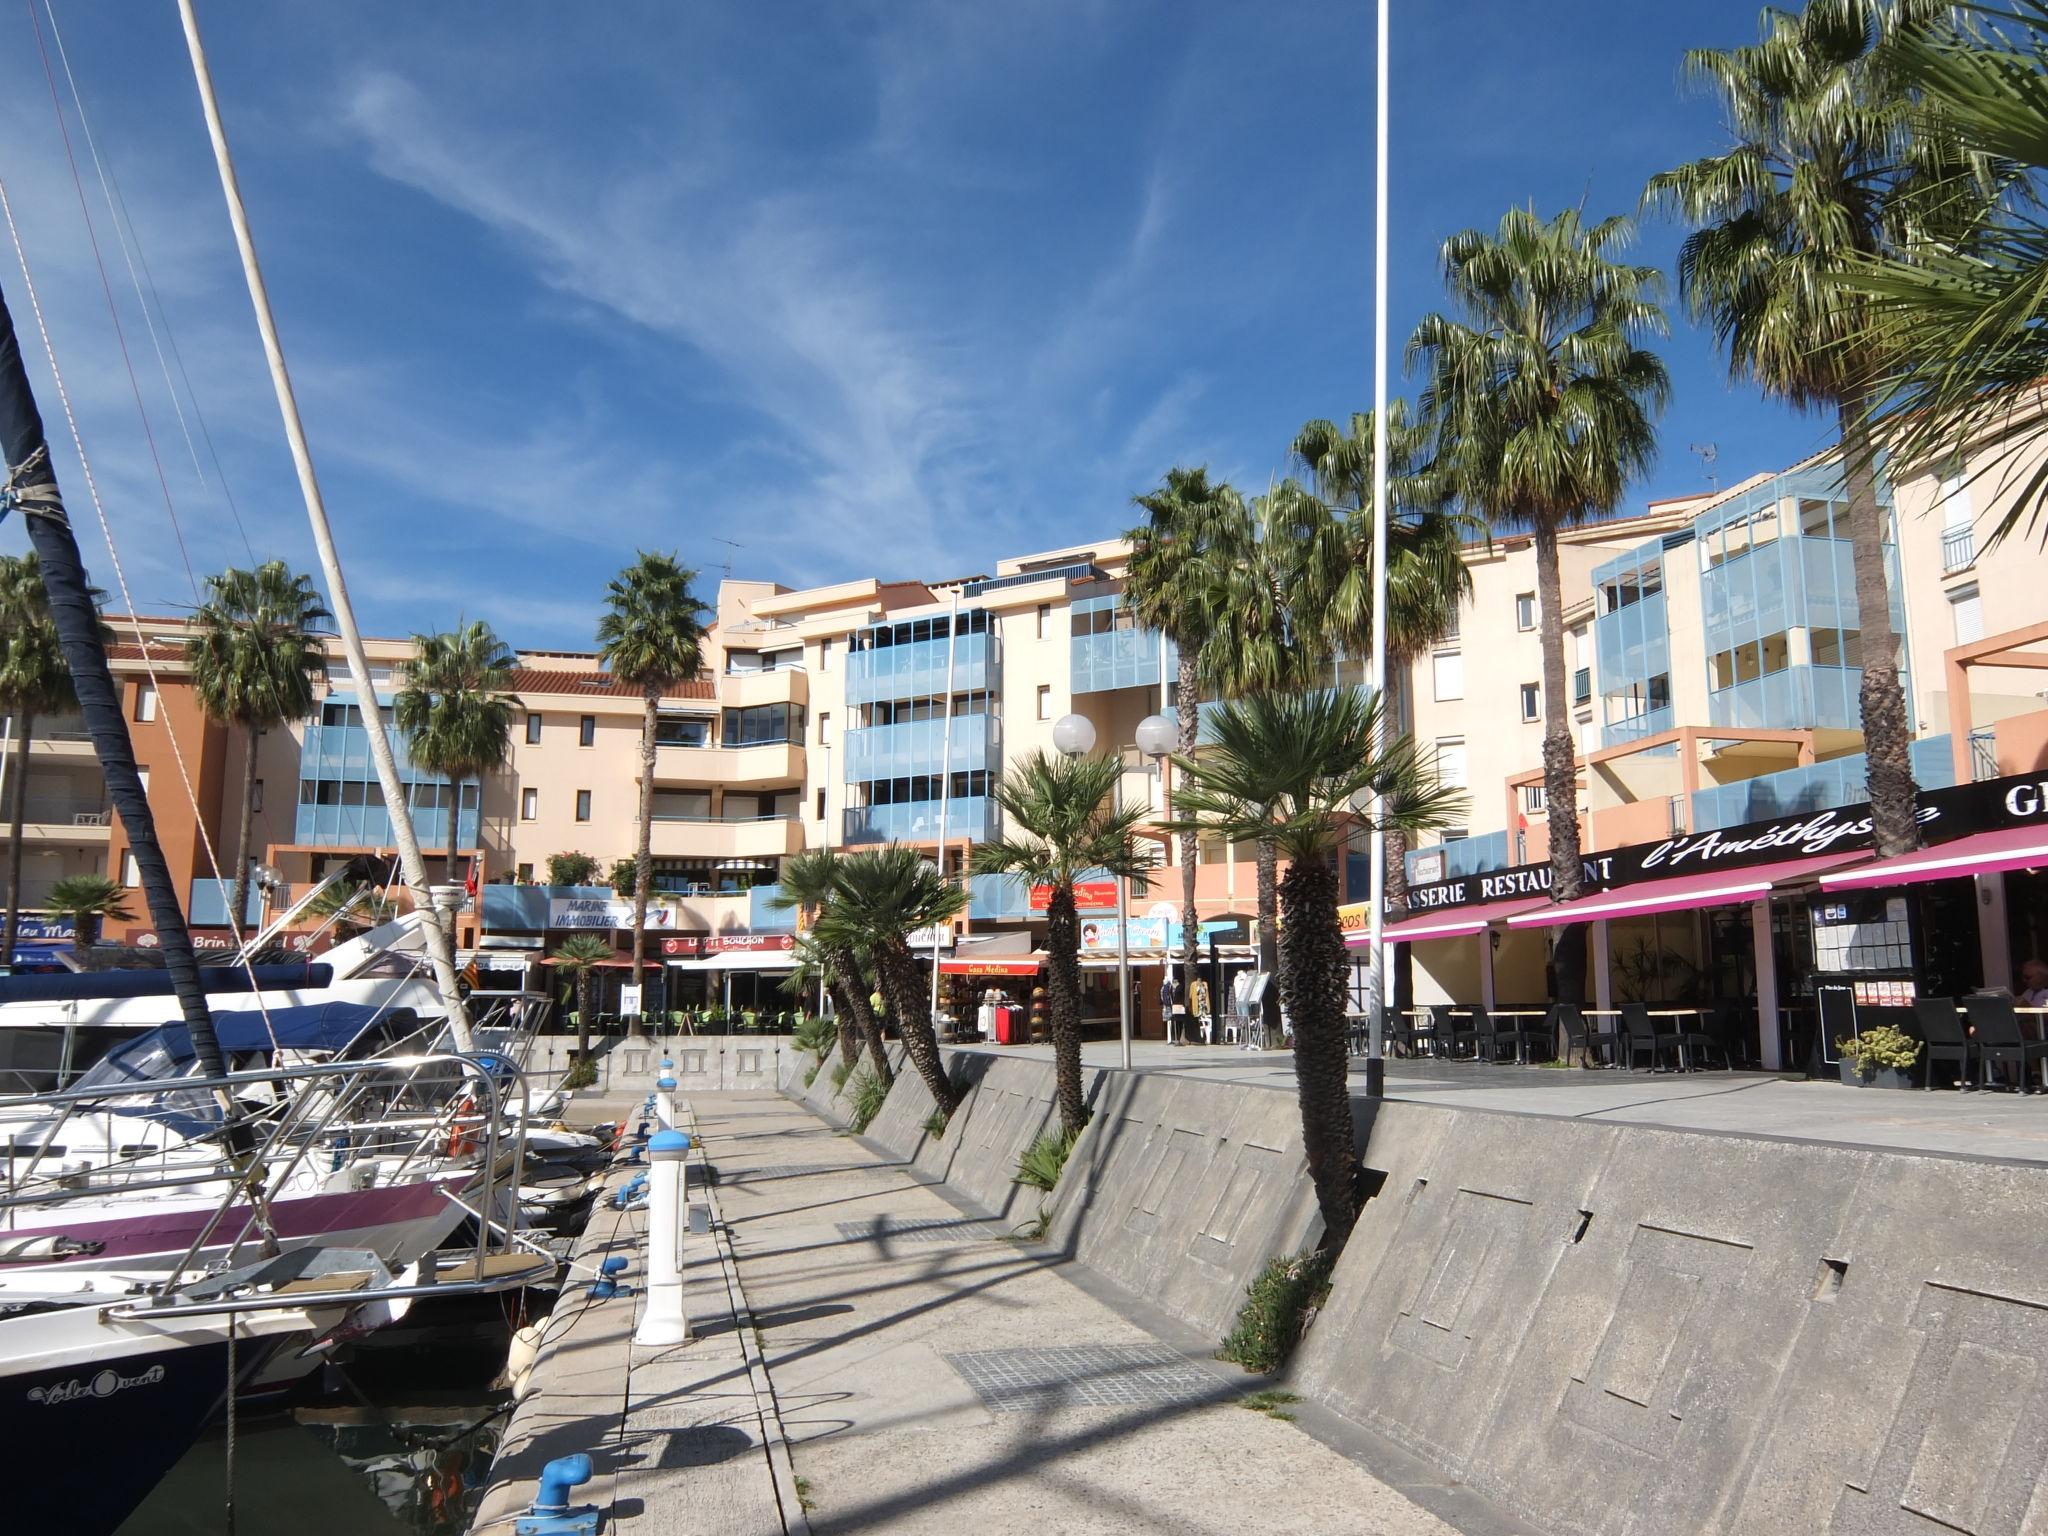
(1296,766)
(579,955)
(34,680)
(456,709)
(811,969)
(1542,400)
(256,663)
(810,883)
(88,900)
(1427,579)
(884,895)
(355,905)
(652,636)
(1830,165)
(1193,528)
(1063,826)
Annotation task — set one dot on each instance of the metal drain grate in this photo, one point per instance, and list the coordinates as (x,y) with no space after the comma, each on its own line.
(1084,1376)
(938,1229)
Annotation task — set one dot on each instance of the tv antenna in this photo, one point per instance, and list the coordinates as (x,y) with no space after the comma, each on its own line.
(730,546)
(1709,452)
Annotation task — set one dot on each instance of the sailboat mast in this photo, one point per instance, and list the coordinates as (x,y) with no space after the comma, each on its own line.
(440,948)
(32,488)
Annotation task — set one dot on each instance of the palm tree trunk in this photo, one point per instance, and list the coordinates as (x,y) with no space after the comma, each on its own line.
(1270,959)
(849,1037)
(643,871)
(583,1014)
(1560,770)
(11,929)
(454,851)
(854,1001)
(1395,843)
(1887,739)
(1063,1004)
(898,974)
(1188,709)
(238,893)
(1315,981)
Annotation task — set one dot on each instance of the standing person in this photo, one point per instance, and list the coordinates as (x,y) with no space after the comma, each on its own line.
(1198,1008)
(1169,994)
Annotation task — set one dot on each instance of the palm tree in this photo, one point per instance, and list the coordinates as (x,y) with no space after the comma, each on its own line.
(352,904)
(456,709)
(883,896)
(33,680)
(1831,165)
(579,955)
(88,900)
(652,636)
(1192,529)
(810,883)
(1060,810)
(1427,578)
(811,969)
(1542,400)
(256,663)
(1295,766)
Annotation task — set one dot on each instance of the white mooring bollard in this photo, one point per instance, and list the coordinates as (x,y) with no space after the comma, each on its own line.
(663,1322)
(665,1103)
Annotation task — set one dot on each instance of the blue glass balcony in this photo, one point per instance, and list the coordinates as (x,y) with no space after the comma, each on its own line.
(995,897)
(1466,856)
(918,748)
(1819,786)
(917,669)
(969,816)
(1795,699)
(1649,723)
(1116,657)
(763,916)
(208,906)
(369,826)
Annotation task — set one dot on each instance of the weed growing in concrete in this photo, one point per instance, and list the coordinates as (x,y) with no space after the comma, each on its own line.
(811,1076)
(815,1035)
(935,1125)
(1272,1403)
(1279,1306)
(867,1092)
(839,1075)
(1033,1230)
(804,1496)
(582,1073)
(1040,1167)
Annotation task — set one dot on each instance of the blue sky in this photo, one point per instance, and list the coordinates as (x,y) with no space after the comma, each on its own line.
(868,289)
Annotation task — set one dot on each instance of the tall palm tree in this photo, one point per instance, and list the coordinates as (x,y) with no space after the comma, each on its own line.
(652,637)
(884,895)
(811,969)
(1831,164)
(810,883)
(1427,578)
(88,900)
(256,663)
(1543,400)
(1193,528)
(1297,766)
(1063,826)
(33,681)
(579,955)
(456,709)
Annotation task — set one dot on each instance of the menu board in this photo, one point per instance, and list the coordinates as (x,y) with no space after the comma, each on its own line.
(1893,993)
(1862,934)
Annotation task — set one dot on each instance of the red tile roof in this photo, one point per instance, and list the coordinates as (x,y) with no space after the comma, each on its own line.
(600,685)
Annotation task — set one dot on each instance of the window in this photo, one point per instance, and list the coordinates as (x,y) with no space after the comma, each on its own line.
(1532,701)
(764,725)
(1045,701)
(1451,629)
(824,726)
(1525,610)
(1044,620)
(131,872)
(533,730)
(1748,661)
(682,730)
(255,794)
(681,805)
(340,714)
(1448,672)
(143,774)
(1967,609)
(1450,761)
(1532,799)
(821,805)
(529,804)
(1582,686)
(587,731)
(145,701)
(825,655)
(1837,647)
(526,874)
(583,805)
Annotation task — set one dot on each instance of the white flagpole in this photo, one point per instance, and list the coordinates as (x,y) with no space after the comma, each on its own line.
(1376,1005)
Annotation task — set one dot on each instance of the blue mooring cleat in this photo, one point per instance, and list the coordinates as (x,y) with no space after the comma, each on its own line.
(551,1513)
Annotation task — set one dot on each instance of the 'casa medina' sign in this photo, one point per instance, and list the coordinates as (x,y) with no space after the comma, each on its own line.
(1945,814)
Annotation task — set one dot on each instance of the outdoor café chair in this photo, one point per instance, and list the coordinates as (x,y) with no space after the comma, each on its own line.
(1999,1039)
(1700,1040)
(1400,1028)
(1455,1029)
(1942,1038)
(1643,1038)
(1514,1034)
(1582,1037)
(1726,1022)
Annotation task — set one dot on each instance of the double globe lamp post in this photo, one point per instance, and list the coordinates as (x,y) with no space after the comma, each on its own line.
(1074,736)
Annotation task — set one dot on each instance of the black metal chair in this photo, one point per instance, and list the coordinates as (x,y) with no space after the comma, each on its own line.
(1998,1039)
(1464,1028)
(1583,1039)
(1942,1039)
(1733,1027)
(1400,1032)
(1643,1037)
(1694,1042)
(1511,1034)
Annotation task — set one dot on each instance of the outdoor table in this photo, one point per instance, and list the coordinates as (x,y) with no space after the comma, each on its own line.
(1521,1042)
(1684,1054)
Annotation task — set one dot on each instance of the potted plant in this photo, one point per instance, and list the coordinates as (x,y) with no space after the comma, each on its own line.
(1880,1057)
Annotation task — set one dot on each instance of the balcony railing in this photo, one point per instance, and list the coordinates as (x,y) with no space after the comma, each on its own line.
(47,728)
(969,816)
(918,747)
(1983,754)
(1958,549)
(58,811)
(917,669)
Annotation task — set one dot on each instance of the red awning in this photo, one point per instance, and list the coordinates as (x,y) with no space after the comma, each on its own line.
(1981,853)
(993,965)
(1683,893)
(1448,922)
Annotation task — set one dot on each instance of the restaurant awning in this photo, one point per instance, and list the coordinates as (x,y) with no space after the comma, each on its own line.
(1981,853)
(741,960)
(1447,923)
(1682,893)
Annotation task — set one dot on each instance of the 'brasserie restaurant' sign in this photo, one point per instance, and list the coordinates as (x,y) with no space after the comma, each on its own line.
(1945,814)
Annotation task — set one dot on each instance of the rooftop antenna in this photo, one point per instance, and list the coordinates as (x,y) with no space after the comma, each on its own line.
(730,546)
(1709,452)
